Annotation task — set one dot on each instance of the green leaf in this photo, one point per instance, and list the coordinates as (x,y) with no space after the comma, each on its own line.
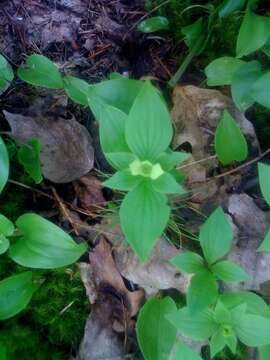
(29,157)
(3,352)
(202,291)
(6,226)
(123,180)
(4,165)
(230,143)
(265,245)
(229,272)
(41,71)
(154,24)
(220,71)
(254,33)
(76,89)
(43,244)
(217,343)
(264,352)
(221,314)
(166,184)
(253,330)
(15,294)
(231,342)
(112,130)
(199,326)
(260,89)
(6,74)
(155,333)
(255,304)
(148,127)
(119,93)
(264,176)
(229,6)
(196,36)
(4,244)
(216,236)
(189,262)
(242,83)
(168,160)
(120,160)
(144,215)
(183,352)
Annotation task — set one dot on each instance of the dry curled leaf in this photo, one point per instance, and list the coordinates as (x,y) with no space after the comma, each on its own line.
(67,152)
(88,190)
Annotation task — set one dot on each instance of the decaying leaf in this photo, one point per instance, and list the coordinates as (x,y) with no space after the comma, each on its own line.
(113,306)
(196,113)
(88,190)
(67,152)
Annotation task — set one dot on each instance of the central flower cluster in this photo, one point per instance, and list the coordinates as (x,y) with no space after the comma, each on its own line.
(146,169)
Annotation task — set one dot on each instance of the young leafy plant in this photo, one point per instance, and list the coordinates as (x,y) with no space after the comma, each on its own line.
(154,24)
(29,157)
(216,240)
(138,147)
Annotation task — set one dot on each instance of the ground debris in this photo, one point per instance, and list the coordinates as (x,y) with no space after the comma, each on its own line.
(67,152)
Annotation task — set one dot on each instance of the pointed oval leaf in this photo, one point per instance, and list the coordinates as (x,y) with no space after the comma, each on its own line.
(6,226)
(4,244)
(229,272)
(220,71)
(199,326)
(6,74)
(41,71)
(154,24)
(120,160)
(183,352)
(264,179)
(260,90)
(255,304)
(202,291)
(254,33)
(217,343)
(253,330)
(148,127)
(144,215)
(29,157)
(123,180)
(169,159)
(229,6)
(155,333)
(166,184)
(196,35)
(230,143)
(15,294)
(4,165)
(222,314)
(43,244)
(216,236)
(243,81)
(189,262)
(77,89)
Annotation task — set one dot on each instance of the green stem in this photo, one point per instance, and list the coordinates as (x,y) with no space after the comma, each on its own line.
(179,73)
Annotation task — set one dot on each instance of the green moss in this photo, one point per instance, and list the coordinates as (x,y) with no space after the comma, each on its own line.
(53,323)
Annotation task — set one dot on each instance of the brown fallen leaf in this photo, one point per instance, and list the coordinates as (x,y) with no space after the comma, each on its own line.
(88,190)
(67,152)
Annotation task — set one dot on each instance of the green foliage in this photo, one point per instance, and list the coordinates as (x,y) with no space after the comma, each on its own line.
(6,74)
(76,89)
(153,24)
(184,352)
(37,246)
(264,176)
(134,144)
(29,157)
(229,6)
(4,165)
(220,71)
(6,229)
(15,293)
(230,143)
(40,71)
(155,334)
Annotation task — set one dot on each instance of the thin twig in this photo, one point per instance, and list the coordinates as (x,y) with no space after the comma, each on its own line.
(248,163)
(196,162)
